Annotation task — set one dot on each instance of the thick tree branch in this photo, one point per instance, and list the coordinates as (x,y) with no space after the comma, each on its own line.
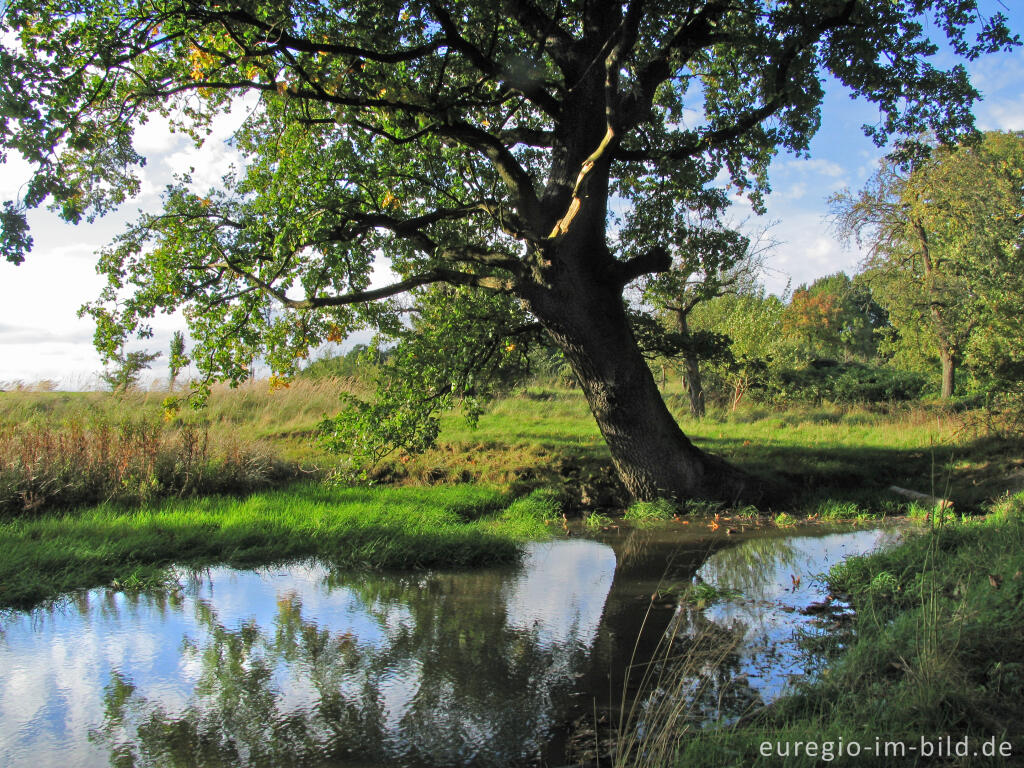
(280,39)
(657,259)
(518,181)
(561,46)
(437,275)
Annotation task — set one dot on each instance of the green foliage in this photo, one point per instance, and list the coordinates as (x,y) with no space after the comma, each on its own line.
(125,369)
(177,359)
(461,349)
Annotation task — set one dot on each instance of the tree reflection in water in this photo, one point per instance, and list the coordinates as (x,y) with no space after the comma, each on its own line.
(451,678)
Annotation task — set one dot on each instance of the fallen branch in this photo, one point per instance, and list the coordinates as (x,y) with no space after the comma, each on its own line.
(942,504)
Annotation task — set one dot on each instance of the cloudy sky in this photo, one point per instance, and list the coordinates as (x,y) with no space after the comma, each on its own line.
(41,336)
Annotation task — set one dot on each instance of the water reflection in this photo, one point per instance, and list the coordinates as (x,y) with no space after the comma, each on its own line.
(308,666)
(777,577)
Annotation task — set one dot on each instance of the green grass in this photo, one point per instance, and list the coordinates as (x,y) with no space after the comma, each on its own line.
(935,650)
(649,511)
(355,527)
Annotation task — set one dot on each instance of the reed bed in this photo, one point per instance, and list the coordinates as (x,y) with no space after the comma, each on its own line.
(132,461)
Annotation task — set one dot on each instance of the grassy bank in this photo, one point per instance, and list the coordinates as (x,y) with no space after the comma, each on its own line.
(67,450)
(934,651)
(43,558)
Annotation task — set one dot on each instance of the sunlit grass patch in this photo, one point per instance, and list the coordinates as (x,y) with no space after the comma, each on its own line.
(355,527)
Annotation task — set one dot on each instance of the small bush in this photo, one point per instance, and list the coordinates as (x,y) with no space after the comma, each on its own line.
(645,511)
(838,510)
(596,521)
(784,520)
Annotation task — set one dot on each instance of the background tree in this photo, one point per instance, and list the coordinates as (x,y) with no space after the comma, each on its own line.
(938,233)
(177,359)
(753,323)
(473,144)
(707,263)
(124,368)
(835,317)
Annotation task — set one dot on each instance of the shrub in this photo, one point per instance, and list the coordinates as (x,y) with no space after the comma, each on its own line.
(828,380)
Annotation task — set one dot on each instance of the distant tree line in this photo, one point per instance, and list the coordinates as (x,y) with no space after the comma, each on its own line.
(937,309)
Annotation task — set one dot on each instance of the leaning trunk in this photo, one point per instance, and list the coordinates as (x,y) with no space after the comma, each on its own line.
(651,454)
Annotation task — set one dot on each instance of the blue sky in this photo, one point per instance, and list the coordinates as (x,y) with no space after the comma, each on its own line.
(41,336)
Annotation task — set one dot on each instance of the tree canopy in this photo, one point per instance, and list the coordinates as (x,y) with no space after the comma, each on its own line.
(472,144)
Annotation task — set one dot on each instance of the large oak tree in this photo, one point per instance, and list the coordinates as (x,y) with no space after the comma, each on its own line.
(474,145)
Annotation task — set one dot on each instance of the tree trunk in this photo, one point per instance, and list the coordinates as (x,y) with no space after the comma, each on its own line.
(948,373)
(946,346)
(692,384)
(651,454)
(575,291)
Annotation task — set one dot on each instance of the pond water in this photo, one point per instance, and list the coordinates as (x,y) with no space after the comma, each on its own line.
(302,665)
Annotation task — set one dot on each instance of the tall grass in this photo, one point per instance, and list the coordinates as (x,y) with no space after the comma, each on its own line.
(63,449)
(678,692)
(66,450)
(136,461)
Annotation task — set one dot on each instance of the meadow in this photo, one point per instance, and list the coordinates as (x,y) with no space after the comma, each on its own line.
(68,450)
(100,489)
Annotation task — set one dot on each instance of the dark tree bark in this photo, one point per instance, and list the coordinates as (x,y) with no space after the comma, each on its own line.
(651,454)
(582,308)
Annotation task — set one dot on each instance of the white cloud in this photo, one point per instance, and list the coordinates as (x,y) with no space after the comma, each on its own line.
(792,192)
(1002,117)
(155,137)
(807,250)
(14,174)
(812,166)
